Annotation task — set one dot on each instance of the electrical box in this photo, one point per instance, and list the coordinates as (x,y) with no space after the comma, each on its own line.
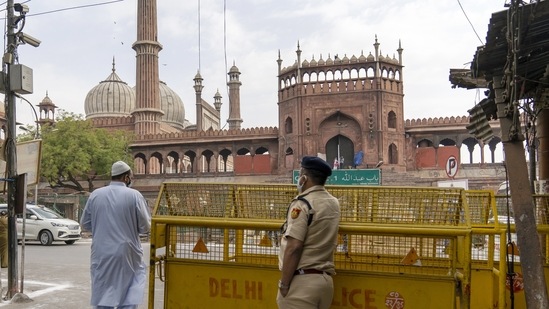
(20,79)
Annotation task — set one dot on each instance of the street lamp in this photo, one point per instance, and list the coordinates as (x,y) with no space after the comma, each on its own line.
(36,136)
(34,133)
(37,132)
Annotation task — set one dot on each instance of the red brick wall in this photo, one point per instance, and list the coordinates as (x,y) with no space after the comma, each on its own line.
(443,153)
(242,165)
(425,157)
(262,164)
(429,157)
(257,164)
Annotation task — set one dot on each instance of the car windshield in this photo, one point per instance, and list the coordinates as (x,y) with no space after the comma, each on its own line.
(47,213)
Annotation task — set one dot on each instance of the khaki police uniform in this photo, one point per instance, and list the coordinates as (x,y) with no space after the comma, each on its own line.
(312,284)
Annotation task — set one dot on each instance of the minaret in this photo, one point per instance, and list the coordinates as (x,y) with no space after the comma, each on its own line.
(376,46)
(399,50)
(47,111)
(298,52)
(147,111)
(198,91)
(234,98)
(217,101)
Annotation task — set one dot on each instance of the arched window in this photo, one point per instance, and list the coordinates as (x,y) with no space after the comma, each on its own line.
(225,161)
(392,120)
(424,143)
(288,126)
(393,154)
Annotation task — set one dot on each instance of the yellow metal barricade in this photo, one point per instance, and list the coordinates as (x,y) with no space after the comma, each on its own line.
(496,250)
(217,245)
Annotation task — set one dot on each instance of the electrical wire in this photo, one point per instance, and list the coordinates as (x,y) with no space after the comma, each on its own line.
(1,4)
(75,7)
(64,9)
(473,27)
(225,56)
(199,60)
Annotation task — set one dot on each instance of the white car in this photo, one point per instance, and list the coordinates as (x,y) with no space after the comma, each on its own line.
(46,226)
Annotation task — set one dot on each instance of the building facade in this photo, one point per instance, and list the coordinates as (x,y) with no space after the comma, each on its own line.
(346,109)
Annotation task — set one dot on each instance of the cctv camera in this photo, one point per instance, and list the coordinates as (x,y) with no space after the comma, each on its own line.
(27,39)
(21,8)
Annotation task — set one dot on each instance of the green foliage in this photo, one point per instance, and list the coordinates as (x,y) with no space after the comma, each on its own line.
(74,151)
(27,135)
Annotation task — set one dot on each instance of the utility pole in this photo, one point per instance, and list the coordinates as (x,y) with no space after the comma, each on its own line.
(16,79)
(531,257)
(507,101)
(11,152)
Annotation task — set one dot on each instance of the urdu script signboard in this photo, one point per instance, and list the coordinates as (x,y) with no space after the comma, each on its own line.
(367,177)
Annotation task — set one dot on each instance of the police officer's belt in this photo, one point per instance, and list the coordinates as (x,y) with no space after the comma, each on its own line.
(309,271)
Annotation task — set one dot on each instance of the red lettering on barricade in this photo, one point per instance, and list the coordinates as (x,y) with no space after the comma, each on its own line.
(230,288)
(369,299)
(235,291)
(225,288)
(351,298)
(394,300)
(253,290)
(214,287)
(352,301)
(249,288)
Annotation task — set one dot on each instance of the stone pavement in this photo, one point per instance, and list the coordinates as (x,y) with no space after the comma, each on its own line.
(62,285)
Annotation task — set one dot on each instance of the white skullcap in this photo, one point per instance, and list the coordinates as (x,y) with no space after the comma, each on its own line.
(119,167)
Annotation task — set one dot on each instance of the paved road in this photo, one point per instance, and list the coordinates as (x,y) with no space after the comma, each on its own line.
(58,276)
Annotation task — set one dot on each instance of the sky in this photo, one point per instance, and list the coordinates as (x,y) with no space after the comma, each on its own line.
(78,46)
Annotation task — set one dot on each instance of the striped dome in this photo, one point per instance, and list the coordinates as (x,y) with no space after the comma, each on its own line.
(111,98)
(172,106)
(114,98)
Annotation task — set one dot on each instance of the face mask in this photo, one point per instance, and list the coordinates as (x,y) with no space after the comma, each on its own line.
(299,186)
(129,183)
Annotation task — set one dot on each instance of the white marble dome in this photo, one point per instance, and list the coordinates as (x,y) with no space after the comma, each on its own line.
(114,98)
(172,106)
(111,98)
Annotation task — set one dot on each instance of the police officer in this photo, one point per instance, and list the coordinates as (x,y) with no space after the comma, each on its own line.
(309,238)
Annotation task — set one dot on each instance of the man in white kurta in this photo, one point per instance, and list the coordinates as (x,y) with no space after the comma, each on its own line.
(116,215)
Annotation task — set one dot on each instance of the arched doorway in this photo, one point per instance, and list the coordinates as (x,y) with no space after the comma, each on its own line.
(344,146)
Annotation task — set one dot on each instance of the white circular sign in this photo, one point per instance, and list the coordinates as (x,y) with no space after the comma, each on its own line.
(451,166)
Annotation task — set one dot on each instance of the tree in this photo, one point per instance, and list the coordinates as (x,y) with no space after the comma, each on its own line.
(74,151)
(30,133)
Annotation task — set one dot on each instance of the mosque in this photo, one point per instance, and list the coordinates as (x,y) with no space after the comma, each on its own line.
(348,110)
(334,107)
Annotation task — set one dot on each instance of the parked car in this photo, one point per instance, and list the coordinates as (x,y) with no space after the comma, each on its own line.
(45,225)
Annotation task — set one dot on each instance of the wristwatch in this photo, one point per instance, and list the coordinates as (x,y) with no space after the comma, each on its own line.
(281,285)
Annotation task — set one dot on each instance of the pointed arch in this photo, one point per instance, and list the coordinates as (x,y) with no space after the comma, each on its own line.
(391,120)
(226,162)
(424,143)
(139,163)
(339,130)
(289,125)
(262,150)
(189,161)
(393,154)
(173,163)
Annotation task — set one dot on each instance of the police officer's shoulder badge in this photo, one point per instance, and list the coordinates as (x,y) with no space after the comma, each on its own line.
(295,212)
